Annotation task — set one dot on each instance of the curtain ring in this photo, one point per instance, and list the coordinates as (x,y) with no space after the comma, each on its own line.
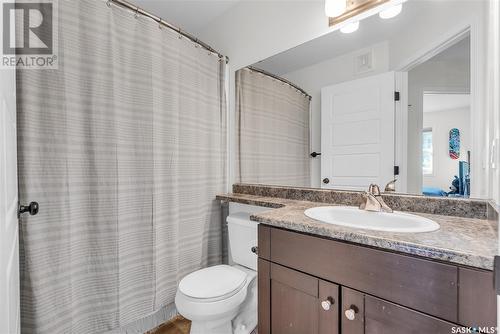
(108,3)
(136,15)
(159,24)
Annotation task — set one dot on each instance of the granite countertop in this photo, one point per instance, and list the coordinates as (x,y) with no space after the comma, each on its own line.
(465,241)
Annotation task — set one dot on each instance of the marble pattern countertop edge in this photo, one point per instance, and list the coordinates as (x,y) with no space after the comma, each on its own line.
(458,207)
(464,241)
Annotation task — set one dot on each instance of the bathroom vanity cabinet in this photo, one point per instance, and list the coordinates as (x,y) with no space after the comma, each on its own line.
(310,284)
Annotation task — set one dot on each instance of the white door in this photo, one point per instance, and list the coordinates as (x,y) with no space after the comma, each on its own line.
(357,133)
(9,250)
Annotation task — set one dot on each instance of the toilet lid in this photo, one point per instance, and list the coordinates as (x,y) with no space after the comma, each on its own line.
(212,282)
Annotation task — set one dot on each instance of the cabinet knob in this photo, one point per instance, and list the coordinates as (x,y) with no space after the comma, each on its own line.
(350,314)
(327,303)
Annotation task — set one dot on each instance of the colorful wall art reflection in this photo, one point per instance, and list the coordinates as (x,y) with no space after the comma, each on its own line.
(454,149)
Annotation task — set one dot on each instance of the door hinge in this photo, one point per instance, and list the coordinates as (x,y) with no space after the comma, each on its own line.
(397,96)
(396,170)
(496,274)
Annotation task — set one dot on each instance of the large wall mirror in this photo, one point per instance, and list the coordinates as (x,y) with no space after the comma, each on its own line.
(390,101)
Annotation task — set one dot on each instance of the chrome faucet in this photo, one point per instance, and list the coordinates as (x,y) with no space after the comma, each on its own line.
(373,200)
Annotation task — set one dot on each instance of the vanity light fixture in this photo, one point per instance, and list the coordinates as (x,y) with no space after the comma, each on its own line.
(391,12)
(356,10)
(335,8)
(350,27)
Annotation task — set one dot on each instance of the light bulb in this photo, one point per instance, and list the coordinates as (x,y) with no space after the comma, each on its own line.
(335,8)
(349,28)
(391,11)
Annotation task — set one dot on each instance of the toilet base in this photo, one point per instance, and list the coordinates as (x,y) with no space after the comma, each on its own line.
(246,320)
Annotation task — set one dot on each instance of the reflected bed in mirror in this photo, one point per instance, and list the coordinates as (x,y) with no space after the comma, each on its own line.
(390,101)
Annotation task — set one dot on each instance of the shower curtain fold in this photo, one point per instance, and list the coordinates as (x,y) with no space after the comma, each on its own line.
(124,148)
(272,131)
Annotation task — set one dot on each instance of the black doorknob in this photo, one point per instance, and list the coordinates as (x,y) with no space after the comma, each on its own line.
(326,180)
(315,154)
(32,208)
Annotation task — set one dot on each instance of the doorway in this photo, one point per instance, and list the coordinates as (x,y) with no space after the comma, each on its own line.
(446,144)
(439,132)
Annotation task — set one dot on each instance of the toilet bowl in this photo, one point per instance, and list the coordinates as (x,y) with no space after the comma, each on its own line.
(212,297)
(223,299)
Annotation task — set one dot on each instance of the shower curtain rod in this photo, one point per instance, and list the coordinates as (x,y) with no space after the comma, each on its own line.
(280,79)
(143,12)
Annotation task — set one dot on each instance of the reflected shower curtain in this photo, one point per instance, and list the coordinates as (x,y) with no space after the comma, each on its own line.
(272,124)
(124,149)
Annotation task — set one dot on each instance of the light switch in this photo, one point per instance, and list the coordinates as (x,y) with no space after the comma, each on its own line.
(494,153)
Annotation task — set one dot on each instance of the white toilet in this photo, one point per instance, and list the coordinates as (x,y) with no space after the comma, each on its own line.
(223,299)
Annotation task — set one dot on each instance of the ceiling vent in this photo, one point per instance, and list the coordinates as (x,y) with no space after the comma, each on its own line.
(364,62)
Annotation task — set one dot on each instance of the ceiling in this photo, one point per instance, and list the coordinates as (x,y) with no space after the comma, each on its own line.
(191,16)
(372,30)
(457,52)
(444,102)
(194,16)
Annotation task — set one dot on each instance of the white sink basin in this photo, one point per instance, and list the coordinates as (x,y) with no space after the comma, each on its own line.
(379,221)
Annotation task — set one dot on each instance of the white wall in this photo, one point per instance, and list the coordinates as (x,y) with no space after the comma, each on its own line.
(443,18)
(254,30)
(441,122)
(493,100)
(330,72)
(9,243)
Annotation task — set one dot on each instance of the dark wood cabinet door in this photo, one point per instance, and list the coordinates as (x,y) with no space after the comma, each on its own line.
(477,298)
(330,307)
(302,304)
(292,311)
(352,312)
(264,297)
(383,317)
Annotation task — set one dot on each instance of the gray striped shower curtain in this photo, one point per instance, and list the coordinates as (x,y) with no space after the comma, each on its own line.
(272,127)
(124,148)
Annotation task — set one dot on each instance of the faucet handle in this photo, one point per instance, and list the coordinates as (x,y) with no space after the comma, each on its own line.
(374,189)
(391,186)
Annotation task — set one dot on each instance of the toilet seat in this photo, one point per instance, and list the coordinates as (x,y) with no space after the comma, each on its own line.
(213,283)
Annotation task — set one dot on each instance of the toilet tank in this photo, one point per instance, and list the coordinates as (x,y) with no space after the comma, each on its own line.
(242,235)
